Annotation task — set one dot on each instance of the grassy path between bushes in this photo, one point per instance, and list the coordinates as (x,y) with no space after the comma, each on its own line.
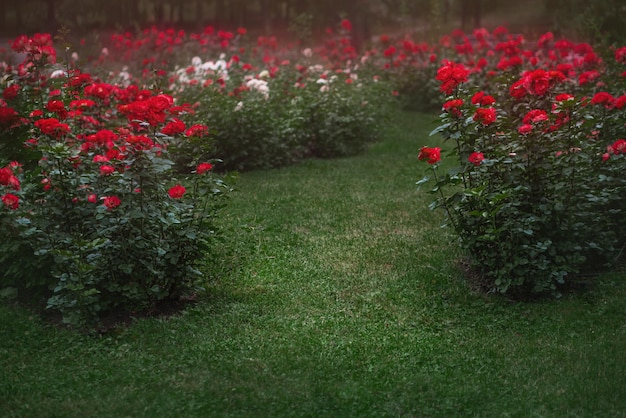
(344,301)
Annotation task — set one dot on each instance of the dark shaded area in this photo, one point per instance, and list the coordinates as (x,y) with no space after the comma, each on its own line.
(302,18)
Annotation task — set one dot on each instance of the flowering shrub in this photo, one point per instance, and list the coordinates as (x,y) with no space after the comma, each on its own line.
(96,216)
(277,115)
(539,193)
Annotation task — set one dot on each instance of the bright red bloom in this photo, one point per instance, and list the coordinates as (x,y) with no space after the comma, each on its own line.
(52,127)
(174,127)
(100,158)
(106,170)
(430,155)
(153,110)
(535,116)
(346,25)
(5,174)
(204,167)
(481,99)
(620,102)
(453,107)
(603,98)
(588,77)
(620,55)
(11,201)
(197,130)
(10,93)
(8,116)
(92,198)
(140,142)
(618,147)
(111,202)
(389,52)
(99,90)
(177,192)
(525,129)
(451,75)
(7,178)
(82,104)
(563,97)
(485,115)
(58,107)
(476,158)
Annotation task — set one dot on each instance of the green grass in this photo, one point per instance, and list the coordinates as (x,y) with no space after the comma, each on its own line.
(342,298)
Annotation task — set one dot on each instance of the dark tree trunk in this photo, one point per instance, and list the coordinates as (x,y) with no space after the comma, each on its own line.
(477,8)
(3,15)
(471,9)
(51,20)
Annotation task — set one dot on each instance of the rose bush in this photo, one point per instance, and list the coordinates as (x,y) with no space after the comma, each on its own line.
(94,218)
(539,194)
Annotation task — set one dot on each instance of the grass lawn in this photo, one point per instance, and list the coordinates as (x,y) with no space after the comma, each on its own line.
(342,299)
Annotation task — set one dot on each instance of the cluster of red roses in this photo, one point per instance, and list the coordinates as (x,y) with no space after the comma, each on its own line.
(9,180)
(85,114)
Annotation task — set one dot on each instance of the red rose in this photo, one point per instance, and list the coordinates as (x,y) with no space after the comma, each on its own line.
(603,98)
(197,130)
(485,115)
(482,99)
(176,192)
(204,167)
(10,93)
(453,107)
(174,127)
(111,202)
(535,116)
(430,155)
(11,201)
(525,129)
(451,75)
(476,158)
(106,170)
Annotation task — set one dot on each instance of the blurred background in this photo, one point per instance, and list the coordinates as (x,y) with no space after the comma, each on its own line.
(306,18)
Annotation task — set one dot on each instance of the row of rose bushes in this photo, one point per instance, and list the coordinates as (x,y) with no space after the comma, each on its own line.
(95,216)
(108,184)
(267,103)
(538,194)
(93,209)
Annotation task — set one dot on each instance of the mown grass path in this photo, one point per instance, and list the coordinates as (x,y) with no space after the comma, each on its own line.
(341,298)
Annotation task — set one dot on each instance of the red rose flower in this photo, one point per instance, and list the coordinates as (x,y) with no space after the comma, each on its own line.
(52,127)
(485,115)
(197,131)
(5,174)
(11,201)
(174,127)
(111,202)
(535,116)
(106,170)
(603,98)
(482,99)
(453,107)
(176,192)
(430,155)
(525,129)
(10,93)
(204,167)
(618,147)
(451,75)
(8,116)
(476,158)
